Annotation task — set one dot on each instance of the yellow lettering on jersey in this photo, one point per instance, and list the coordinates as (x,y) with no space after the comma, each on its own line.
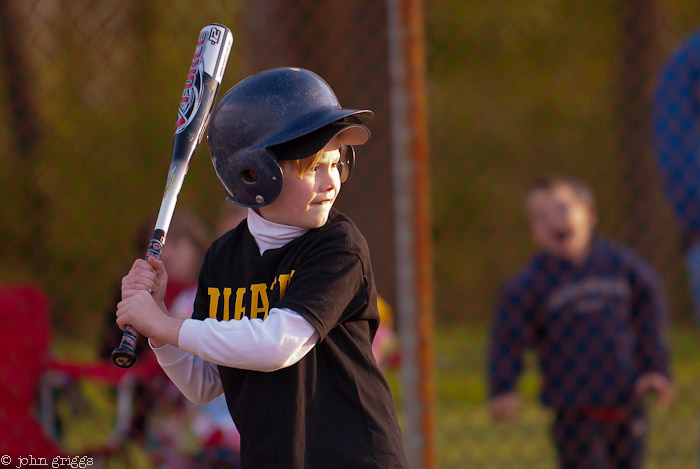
(239,310)
(227,296)
(259,302)
(284,281)
(213,301)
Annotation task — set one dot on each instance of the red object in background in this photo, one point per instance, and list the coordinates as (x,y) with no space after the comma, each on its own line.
(25,337)
(24,340)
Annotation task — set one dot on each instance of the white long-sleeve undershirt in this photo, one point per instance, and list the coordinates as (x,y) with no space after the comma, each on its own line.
(279,341)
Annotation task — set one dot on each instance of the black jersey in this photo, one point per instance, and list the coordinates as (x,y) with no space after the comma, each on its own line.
(333,408)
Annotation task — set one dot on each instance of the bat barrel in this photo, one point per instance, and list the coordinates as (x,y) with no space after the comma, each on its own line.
(203,79)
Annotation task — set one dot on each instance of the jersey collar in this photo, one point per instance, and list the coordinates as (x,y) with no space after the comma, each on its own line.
(271,235)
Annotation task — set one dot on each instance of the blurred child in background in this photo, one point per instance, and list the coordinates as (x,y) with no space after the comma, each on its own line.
(595,314)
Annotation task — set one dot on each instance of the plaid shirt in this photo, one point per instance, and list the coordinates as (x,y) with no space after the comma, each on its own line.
(594,327)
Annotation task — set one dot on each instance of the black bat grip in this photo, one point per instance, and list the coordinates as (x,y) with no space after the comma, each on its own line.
(124,356)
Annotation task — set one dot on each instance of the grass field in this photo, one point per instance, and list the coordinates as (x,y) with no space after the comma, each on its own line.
(466,437)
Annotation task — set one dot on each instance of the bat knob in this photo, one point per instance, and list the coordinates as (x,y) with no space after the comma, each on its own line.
(123,358)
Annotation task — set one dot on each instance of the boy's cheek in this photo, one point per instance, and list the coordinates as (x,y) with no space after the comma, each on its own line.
(539,237)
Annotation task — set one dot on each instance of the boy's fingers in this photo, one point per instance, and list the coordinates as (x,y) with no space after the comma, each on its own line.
(138,284)
(659,384)
(123,305)
(141,271)
(665,395)
(141,264)
(505,407)
(153,262)
(133,277)
(641,386)
(135,302)
(142,267)
(157,266)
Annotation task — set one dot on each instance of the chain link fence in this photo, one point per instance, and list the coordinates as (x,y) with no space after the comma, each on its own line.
(515,90)
(519,90)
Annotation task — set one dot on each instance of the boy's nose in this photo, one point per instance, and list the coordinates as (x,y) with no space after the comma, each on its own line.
(330,180)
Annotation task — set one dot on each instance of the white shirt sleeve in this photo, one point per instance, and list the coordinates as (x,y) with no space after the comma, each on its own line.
(279,341)
(197,380)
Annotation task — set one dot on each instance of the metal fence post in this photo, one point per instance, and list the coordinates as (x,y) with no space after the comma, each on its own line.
(412,227)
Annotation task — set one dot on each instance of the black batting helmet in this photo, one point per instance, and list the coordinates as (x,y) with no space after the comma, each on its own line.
(278,114)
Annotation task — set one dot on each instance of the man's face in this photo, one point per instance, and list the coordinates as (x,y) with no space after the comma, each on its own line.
(306,202)
(561,223)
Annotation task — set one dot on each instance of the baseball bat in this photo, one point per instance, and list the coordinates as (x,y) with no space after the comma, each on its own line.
(203,80)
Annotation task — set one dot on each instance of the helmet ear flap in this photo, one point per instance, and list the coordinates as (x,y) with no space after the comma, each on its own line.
(252,179)
(346,163)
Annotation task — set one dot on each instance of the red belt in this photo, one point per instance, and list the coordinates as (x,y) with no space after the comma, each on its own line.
(605,414)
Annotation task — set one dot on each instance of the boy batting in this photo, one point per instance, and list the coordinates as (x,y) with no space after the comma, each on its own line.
(286,305)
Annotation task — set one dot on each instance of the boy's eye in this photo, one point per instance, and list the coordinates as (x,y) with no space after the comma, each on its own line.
(333,165)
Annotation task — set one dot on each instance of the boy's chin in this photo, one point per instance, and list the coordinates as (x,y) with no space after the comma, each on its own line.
(563,251)
(571,255)
(315,222)
(320,222)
